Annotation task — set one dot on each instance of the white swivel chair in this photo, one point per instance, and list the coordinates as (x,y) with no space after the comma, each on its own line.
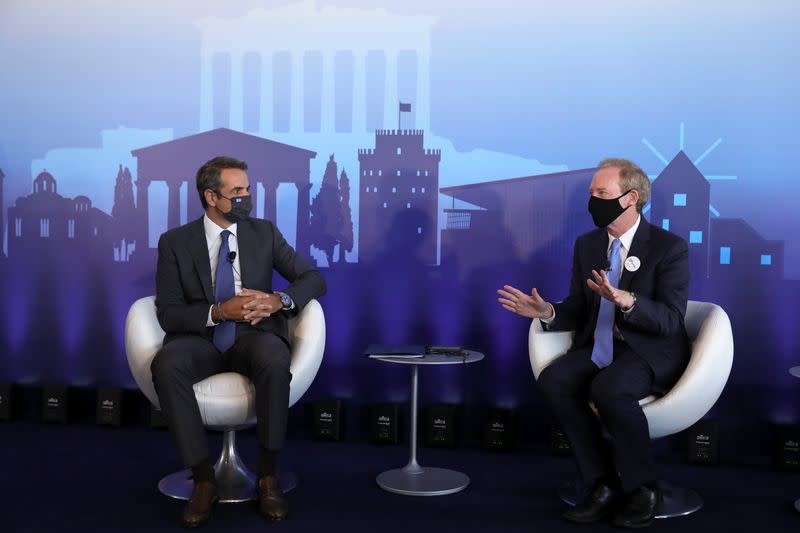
(694,394)
(226,400)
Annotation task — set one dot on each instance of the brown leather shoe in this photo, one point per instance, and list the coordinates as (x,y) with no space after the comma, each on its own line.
(198,508)
(271,502)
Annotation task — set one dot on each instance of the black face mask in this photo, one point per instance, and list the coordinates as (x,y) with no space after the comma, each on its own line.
(240,208)
(606,211)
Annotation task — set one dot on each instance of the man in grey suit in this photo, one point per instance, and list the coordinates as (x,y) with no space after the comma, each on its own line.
(215,302)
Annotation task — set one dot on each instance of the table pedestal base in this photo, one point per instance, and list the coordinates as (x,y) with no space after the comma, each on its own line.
(422,481)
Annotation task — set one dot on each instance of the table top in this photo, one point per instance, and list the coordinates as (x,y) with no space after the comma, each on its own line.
(795,371)
(435,359)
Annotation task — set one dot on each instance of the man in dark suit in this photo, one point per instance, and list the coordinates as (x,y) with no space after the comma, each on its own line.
(630,341)
(215,302)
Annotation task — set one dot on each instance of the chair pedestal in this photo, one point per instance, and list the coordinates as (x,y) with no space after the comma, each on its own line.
(676,501)
(235,482)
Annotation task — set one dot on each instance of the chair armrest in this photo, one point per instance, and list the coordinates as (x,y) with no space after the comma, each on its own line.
(544,347)
(307,338)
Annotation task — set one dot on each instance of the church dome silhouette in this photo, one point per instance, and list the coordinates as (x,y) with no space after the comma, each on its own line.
(44,182)
(82,204)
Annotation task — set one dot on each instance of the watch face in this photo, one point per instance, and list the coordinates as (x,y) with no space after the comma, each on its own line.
(285,300)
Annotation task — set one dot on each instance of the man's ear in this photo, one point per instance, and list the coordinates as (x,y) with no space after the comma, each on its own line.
(211,198)
(634,196)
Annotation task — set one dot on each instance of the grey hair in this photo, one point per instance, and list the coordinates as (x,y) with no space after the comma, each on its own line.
(631,176)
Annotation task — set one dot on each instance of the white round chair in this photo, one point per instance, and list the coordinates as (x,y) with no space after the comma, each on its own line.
(701,384)
(226,400)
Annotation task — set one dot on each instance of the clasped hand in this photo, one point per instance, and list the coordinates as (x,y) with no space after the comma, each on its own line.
(251,305)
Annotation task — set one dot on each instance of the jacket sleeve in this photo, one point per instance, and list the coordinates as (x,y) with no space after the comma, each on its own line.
(174,314)
(305,281)
(663,314)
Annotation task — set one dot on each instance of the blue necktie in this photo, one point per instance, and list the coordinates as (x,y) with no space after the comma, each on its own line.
(224,332)
(603,350)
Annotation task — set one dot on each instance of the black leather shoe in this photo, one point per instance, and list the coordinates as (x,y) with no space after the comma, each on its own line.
(597,506)
(639,509)
(198,509)
(272,503)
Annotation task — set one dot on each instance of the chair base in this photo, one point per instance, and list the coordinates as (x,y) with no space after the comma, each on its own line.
(676,501)
(235,482)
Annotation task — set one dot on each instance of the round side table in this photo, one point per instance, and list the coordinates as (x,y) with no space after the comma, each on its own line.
(413,479)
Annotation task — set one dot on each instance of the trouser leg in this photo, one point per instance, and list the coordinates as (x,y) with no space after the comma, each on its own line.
(265,359)
(616,391)
(176,368)
(565,386)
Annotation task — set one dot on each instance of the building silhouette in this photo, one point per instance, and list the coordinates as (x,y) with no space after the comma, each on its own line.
(680,203)
(739,252)
(303,34)
(46,224)
(176,162)
(2,222)
(528,220)
(398,174)
(718,247)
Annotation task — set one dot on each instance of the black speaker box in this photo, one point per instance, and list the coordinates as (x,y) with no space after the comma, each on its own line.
(557,441)
(54,404)
(498,430)
(6,404)
(384,423)
(108,407)
(328,419)
(786,447)
(439,421)
(703,443)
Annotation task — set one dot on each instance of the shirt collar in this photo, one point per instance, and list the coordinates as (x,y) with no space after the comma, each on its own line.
(213,230)
(626,238)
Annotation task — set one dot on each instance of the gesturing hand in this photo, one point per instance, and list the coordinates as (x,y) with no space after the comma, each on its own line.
(531,306)
(602,286)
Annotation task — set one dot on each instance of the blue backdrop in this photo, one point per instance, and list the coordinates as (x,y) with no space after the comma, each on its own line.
(423,154)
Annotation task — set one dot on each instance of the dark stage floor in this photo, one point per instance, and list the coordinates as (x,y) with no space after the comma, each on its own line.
(89,478)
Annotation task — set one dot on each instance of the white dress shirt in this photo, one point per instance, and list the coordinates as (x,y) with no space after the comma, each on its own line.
(214,243)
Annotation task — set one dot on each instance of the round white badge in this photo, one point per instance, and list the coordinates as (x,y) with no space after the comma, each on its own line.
(632,263)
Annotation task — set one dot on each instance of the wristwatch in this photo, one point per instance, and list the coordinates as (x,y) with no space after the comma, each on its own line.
(286,301)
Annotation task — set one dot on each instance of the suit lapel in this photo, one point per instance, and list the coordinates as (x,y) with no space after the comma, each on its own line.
(599,256)
(639,249)
(198,248)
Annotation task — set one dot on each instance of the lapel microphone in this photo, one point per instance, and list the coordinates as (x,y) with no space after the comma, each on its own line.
(231,257)
(606,265)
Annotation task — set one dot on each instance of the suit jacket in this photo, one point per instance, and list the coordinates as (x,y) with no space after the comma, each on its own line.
(183,276)
(654,329)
